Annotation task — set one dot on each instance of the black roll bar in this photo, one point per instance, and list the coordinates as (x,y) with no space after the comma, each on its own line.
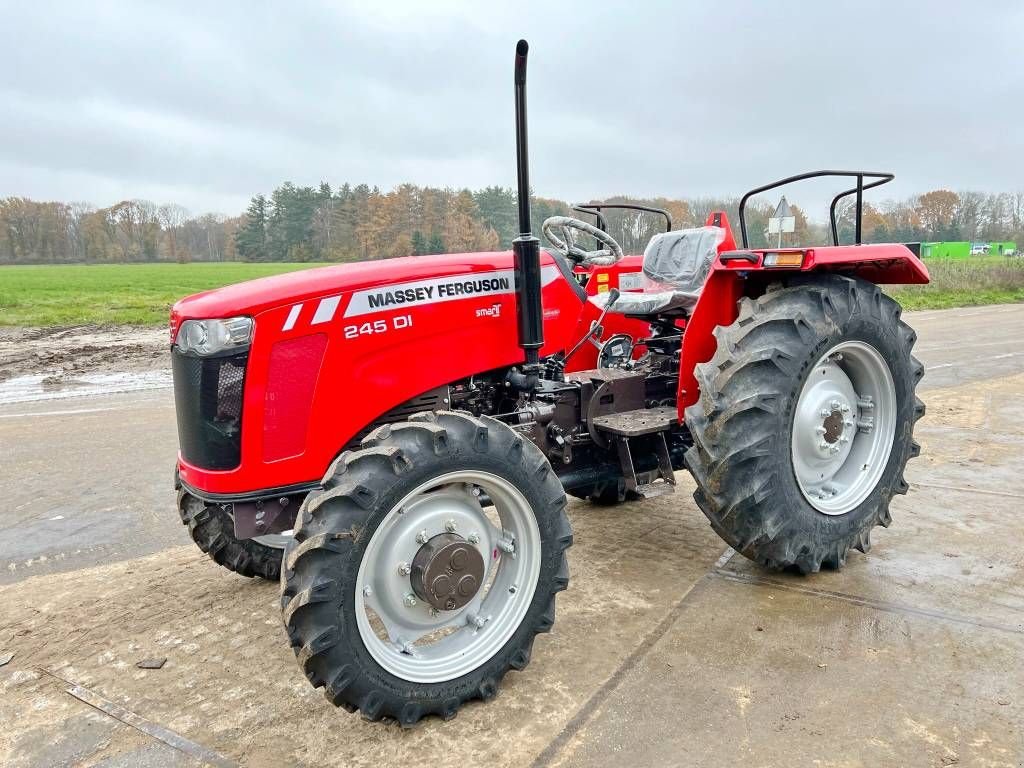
(601,223)
(596,208)
(882,178)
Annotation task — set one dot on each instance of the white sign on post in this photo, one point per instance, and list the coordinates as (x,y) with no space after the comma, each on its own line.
(785,224)
(781,221)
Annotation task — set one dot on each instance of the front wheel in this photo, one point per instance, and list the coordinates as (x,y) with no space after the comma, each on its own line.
(423,570)
(213,530)
(805,422)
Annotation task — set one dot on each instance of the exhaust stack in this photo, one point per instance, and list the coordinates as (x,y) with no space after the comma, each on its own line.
(526,247)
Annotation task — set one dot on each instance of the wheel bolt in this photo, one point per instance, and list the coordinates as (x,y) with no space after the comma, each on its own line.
(473,538)
(410,600)
(507,545)
(449,525)
(404,569)
(367,591)
(825,413)
(476,620)
(835,405)
(421,537)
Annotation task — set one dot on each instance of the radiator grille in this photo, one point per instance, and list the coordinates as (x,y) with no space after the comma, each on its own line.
(208,403)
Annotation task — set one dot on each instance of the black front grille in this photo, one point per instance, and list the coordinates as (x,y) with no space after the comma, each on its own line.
(208,402)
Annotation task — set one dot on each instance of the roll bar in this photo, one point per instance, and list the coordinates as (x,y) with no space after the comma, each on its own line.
(596,208)
(882,178)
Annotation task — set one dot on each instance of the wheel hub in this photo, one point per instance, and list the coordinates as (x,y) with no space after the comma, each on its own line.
(447,572)
(833,426)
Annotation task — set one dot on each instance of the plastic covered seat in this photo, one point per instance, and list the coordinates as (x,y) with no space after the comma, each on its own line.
(675,266)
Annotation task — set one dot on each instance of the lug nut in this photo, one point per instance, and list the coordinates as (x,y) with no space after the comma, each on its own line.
(422,537)
(825,413)
(449,525)
(367,591)
(835,405)
(845,408)
(473,538)
(410,600)
(404,569)
(476,620)
(507,545)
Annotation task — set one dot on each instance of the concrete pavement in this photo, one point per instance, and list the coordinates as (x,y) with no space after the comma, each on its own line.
(670,651)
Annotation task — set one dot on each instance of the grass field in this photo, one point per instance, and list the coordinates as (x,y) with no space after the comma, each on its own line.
(142,294)
(964,283)
(130,294)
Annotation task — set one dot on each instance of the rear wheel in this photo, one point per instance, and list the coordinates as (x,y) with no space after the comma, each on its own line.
(213,530)
(423,570)
(805,422)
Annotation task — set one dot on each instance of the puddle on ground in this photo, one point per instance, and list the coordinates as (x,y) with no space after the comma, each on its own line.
(36,387)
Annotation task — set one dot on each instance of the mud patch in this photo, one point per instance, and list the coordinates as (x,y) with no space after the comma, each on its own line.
(62,353)
(51,363)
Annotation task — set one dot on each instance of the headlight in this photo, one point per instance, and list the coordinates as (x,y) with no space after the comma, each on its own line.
(208,337)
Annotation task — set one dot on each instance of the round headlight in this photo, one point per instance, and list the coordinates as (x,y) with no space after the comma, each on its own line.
(208,337)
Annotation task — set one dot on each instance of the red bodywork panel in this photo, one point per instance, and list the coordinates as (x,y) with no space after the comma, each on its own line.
(325,361)
(331,353)
(889,263)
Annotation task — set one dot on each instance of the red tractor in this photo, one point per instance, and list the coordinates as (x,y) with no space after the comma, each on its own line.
(395,440)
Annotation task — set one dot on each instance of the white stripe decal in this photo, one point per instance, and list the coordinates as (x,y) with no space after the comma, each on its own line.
(437,290)
(292,317)
(325,310)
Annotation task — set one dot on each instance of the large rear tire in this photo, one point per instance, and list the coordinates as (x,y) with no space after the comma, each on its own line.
(368,590)
(805,422)
(213,531)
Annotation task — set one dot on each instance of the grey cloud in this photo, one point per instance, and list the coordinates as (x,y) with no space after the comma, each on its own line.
(210,103)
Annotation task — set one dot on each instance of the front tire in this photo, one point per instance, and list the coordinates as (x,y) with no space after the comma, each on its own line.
(213,531)
(805,422)
(354,591)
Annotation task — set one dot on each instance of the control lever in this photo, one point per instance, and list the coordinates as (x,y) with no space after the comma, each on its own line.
(595,326)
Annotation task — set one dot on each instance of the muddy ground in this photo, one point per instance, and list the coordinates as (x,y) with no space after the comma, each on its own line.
(61,354)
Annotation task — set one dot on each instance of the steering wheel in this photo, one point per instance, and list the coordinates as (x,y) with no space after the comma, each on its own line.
(566,244)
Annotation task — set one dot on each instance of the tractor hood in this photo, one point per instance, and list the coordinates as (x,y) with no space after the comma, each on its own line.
(254,297)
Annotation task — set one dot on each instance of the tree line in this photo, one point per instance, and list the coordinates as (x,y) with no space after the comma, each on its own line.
(348,223)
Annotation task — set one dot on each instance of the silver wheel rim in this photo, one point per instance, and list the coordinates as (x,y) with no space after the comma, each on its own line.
(274,540)
(844,427)
(404,634)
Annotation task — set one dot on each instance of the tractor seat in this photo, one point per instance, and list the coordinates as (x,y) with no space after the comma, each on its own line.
(675,266)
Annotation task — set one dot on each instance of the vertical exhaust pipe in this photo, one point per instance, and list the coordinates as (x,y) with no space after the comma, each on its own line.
(526,247)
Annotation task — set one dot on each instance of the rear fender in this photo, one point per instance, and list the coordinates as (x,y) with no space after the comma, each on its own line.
(742,273)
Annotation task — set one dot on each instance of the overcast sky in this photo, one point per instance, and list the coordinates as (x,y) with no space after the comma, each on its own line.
(207,103)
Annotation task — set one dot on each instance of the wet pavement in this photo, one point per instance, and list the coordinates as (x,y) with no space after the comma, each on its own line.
(668,651)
